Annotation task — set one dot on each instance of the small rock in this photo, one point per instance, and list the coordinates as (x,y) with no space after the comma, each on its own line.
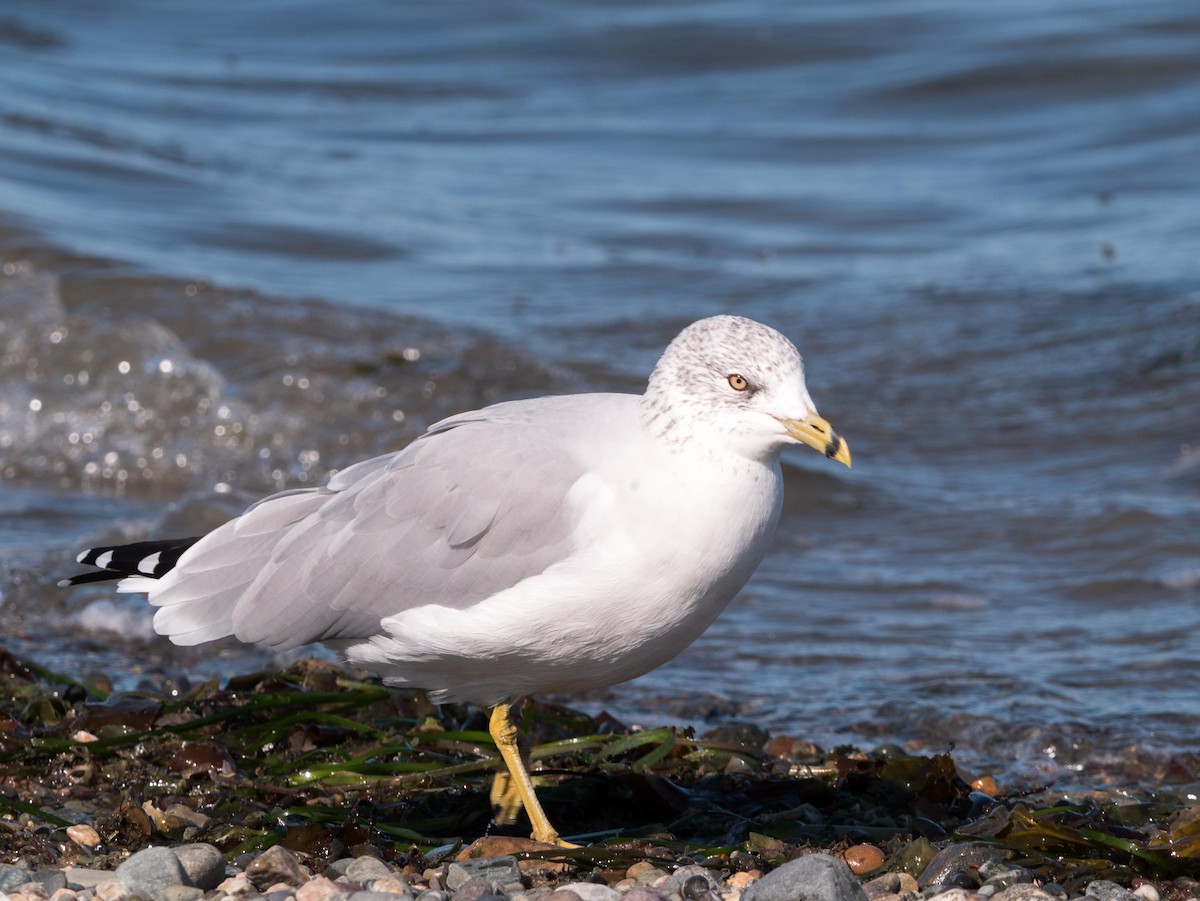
(11,877)
(816,877)
(427,895)
(953,894)
(371,896)
(952,860)
(82,877)
(591,891)
(495,870)
(739,881)
(562,894)
(238,886)
(474,889)
(276,864)
(1023,891)
(1109,891)
(203,863)
(641,893)
(1002,874)
(113,890)
(84,835)
(862,858)
(890,884)
(673,887)
(64,894)
(653,877)
(987,785)
(30,891)
(642,866)
(151,871)
(182,893)
(364,869)
(317,889)
(393,885)
(50,880)
(1147,892)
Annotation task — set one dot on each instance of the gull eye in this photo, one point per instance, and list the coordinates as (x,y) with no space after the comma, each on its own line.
(738,382)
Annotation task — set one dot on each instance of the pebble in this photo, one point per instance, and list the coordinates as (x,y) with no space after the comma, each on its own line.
(198,872)
(816,877)
(150,872)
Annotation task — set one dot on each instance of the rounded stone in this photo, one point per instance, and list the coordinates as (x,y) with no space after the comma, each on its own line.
(816,877)
(203,863)
(151,872)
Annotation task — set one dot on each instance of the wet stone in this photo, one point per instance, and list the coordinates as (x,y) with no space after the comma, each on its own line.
(495,870)
(641,893)
(474,889)
(182,893)
(816,877)
(674,885)
(1109,891)
(365,869)
(276,864)
(203,863)
(1002,874)
(373,896)
(962,858)
(318,889)
(1024,891)
(150,872)
(591,891)
(11,877)
(890,884)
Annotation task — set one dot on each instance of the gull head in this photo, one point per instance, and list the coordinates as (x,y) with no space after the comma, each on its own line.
(735,384)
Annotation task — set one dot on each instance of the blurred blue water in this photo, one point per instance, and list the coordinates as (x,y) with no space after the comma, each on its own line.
(978,221)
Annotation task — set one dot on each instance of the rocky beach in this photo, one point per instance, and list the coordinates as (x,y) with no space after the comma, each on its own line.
(315,784)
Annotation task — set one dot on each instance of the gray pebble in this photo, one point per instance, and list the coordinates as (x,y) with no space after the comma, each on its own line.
(1109,891)
(562,894)
(673,885)
(1002,874)
(203,863)
(376,896)
(150,872)
(952,894)
(474,889)
(955,859)
(51,880)
(642,893)
(496,870)
(182,893)
(433,895)
(364,869)
(11,877)
(279,895)
(87,878)
(593,891)
(1023,891)
(816,877)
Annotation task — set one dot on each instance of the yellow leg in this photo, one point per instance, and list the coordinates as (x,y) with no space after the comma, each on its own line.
(507,738)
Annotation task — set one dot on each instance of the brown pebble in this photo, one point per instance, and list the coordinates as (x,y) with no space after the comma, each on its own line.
(317,889)
(890,884)
(987,785)
(84,835)
(637,869)
(113,891)
(64,894)
(276,864)
(739,881)
(389,884)
(502,845)
(862,858)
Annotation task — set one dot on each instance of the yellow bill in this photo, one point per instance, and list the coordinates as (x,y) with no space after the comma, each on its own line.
(819,435)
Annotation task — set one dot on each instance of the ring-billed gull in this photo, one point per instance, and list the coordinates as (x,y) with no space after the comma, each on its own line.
(552,544)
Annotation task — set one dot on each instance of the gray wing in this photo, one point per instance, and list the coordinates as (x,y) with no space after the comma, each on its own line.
(471,508)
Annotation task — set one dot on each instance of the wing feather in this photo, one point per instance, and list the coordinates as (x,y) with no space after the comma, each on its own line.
(471,508)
